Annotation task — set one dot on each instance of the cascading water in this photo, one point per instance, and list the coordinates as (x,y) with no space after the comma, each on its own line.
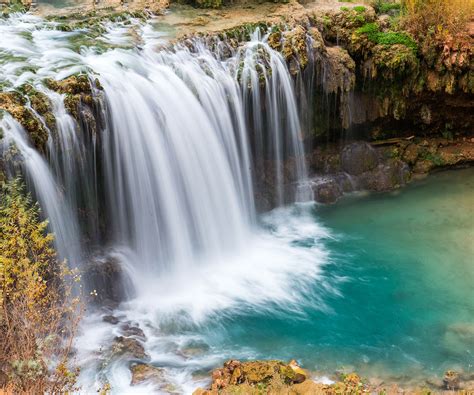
(183,136)
(42,182)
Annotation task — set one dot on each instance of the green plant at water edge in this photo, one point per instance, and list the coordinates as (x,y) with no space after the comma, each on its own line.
(38,315)
(373,33)
(12,7)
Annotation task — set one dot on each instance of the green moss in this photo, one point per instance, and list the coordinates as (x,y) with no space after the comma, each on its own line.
(345,9)
(373,33)
(387,7)
(359,8)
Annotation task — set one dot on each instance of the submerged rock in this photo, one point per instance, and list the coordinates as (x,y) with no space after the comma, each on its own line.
(110,319)
(146,373)
(142,372)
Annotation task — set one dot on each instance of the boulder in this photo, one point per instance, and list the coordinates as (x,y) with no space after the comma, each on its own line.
(105,280)
(358,158)
(127,346)
(131,330)
(326,190)
(386,177)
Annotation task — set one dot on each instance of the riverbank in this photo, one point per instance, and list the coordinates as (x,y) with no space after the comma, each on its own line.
(280,378)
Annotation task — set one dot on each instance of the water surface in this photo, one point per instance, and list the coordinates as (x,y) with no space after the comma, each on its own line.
(402,267)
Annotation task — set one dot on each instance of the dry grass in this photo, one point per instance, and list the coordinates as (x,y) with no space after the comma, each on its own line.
(440,17)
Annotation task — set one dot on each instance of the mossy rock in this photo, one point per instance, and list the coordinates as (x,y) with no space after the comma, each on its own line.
(72,85)
(78,91)
(15,104)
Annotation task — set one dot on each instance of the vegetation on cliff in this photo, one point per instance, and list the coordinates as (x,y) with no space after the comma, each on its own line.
(38,315)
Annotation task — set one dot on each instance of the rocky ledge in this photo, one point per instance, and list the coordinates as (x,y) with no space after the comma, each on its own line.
(382,165)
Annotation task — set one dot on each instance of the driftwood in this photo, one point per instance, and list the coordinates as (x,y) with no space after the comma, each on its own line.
(395,140)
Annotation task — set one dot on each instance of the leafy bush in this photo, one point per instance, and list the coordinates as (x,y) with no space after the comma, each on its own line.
(38,316)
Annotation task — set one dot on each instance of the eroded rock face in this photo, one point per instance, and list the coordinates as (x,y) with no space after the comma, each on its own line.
(381,166)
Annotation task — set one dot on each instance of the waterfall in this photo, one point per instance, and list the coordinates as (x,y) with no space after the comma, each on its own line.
(185,132)
(168,181)
(50,196)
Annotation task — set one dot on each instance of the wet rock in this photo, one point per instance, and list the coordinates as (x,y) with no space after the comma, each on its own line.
(358,158)
(16,106)
(145,373)
(386,177)
(300,374)
(142,372)
(130,330)
(110,319)
(126,346)
(105,281)
(194,348)
(326,190)
(451,380)
(340,70)
(72,85)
